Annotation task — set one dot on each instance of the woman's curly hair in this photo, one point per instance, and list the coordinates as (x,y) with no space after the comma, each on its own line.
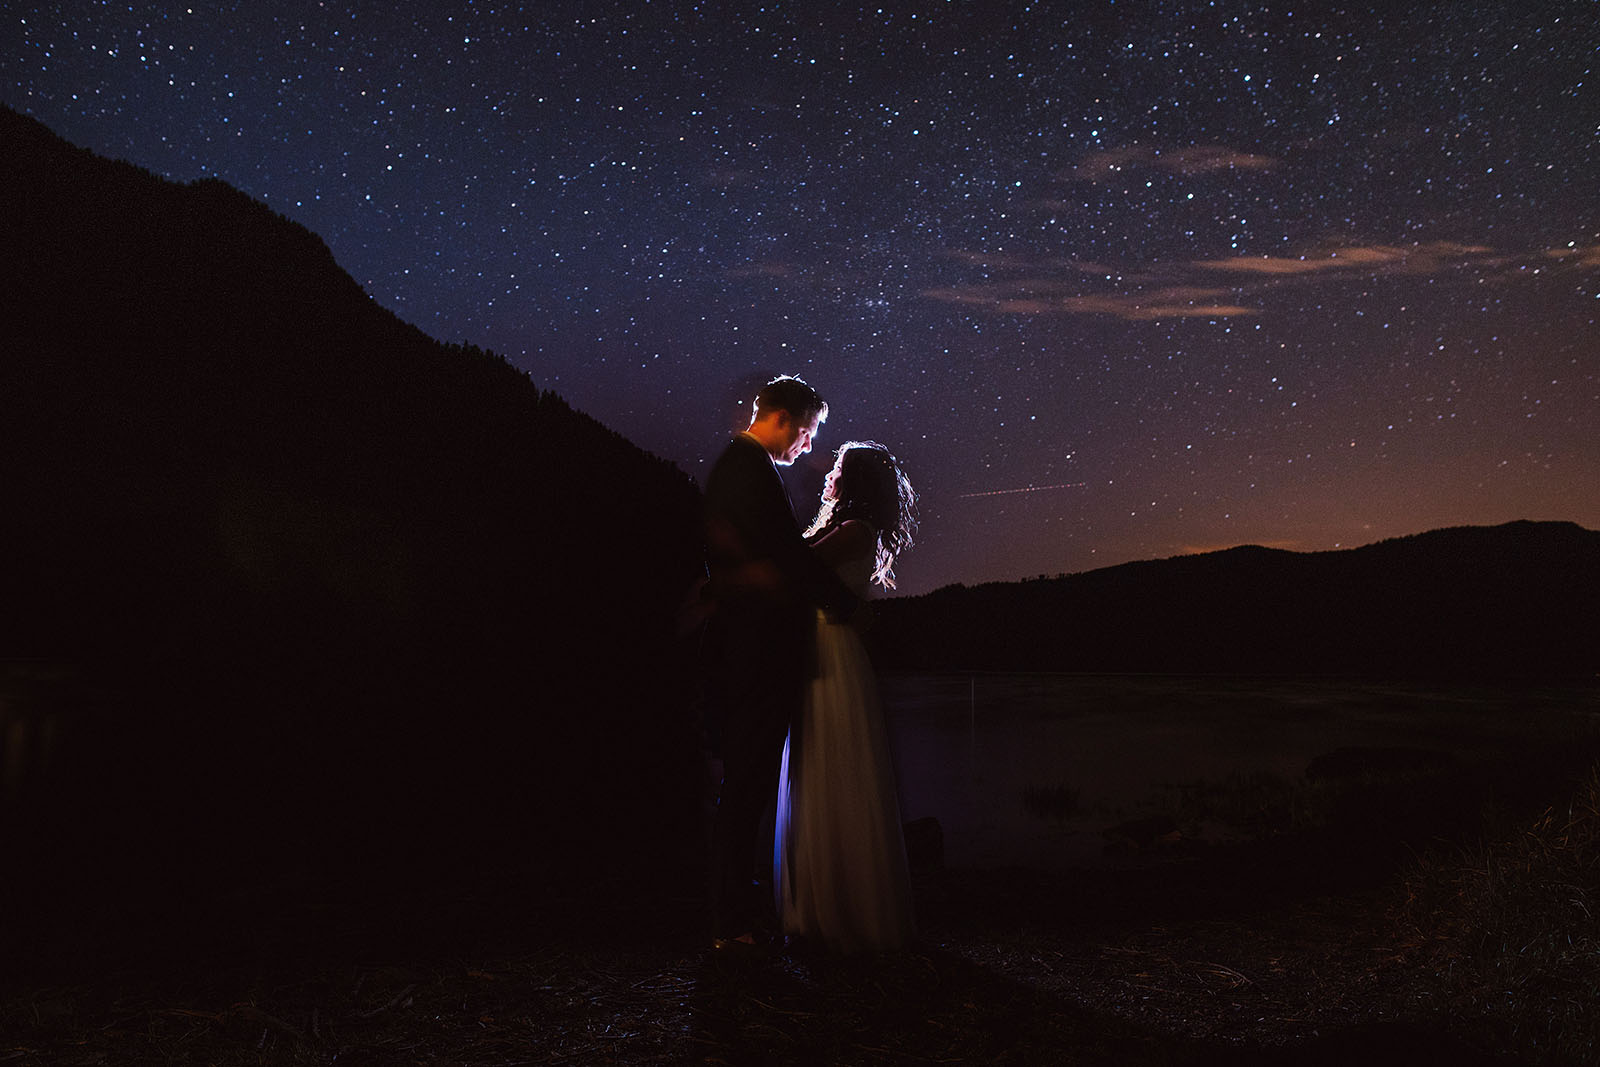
(868,484)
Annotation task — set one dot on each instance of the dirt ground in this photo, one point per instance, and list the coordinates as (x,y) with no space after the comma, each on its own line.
(1272,952)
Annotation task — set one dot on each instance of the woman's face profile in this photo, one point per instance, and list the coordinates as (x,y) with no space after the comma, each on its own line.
(830,483)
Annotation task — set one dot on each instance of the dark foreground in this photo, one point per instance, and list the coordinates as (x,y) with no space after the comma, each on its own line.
(1148,967)
(1361,931)
(1387,905)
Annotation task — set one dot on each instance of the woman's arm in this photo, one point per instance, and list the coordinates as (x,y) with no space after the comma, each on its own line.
(847,540)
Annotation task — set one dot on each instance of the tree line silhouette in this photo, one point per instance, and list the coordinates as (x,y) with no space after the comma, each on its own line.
(1515,600)
(312,584)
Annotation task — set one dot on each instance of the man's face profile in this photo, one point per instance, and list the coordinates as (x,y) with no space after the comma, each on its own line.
(796,439)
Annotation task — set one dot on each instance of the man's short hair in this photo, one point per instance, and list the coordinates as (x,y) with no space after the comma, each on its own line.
(794,395)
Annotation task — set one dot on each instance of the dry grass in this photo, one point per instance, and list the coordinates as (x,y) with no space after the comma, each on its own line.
(1512,927)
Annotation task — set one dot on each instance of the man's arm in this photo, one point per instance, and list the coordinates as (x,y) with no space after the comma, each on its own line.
(745,495)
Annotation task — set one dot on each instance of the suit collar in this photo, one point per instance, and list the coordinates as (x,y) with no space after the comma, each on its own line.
(748,436)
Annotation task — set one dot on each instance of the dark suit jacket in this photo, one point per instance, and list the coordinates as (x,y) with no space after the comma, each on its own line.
(765,581)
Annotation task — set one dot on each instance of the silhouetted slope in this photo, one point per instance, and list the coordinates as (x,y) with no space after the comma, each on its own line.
(330,572)
(1517,599)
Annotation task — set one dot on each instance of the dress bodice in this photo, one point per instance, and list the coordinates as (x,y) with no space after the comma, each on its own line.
(856,574)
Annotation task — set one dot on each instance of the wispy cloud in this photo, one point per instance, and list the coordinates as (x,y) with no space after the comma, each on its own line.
(1359,259)
(1043,286)
(1576,257)
(1178,302)
(1043,297)
(1114,164)
(1009,282)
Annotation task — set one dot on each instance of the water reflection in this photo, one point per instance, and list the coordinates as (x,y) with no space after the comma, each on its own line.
(1034,769)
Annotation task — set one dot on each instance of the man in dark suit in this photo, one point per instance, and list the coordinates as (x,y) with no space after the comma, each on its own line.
(765,586)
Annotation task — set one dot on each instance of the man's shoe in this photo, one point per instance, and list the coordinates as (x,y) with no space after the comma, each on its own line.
(751,944)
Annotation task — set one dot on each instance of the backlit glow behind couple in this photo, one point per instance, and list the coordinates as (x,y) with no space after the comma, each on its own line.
(793,698)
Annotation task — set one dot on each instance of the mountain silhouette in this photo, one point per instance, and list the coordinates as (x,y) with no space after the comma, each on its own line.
(293,592)
(1466,602)
(277,563)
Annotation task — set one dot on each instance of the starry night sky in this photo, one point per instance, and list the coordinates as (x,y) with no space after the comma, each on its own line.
(1115,281)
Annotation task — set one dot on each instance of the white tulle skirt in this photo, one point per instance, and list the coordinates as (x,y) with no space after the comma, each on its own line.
(840,858)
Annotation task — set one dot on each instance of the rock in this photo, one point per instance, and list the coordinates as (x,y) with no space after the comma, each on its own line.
(924,844)
(1137,835)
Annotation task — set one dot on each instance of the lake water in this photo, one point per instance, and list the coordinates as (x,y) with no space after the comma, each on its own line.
(967,747)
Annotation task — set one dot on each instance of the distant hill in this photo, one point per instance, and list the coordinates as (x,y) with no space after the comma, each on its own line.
(323,573)
(1513,600)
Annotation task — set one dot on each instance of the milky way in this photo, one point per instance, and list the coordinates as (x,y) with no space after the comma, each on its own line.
(1115,281)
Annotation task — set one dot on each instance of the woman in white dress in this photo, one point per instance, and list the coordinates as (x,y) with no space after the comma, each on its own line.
(840,863)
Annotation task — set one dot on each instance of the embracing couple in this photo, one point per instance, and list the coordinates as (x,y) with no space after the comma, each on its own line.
(794,698)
